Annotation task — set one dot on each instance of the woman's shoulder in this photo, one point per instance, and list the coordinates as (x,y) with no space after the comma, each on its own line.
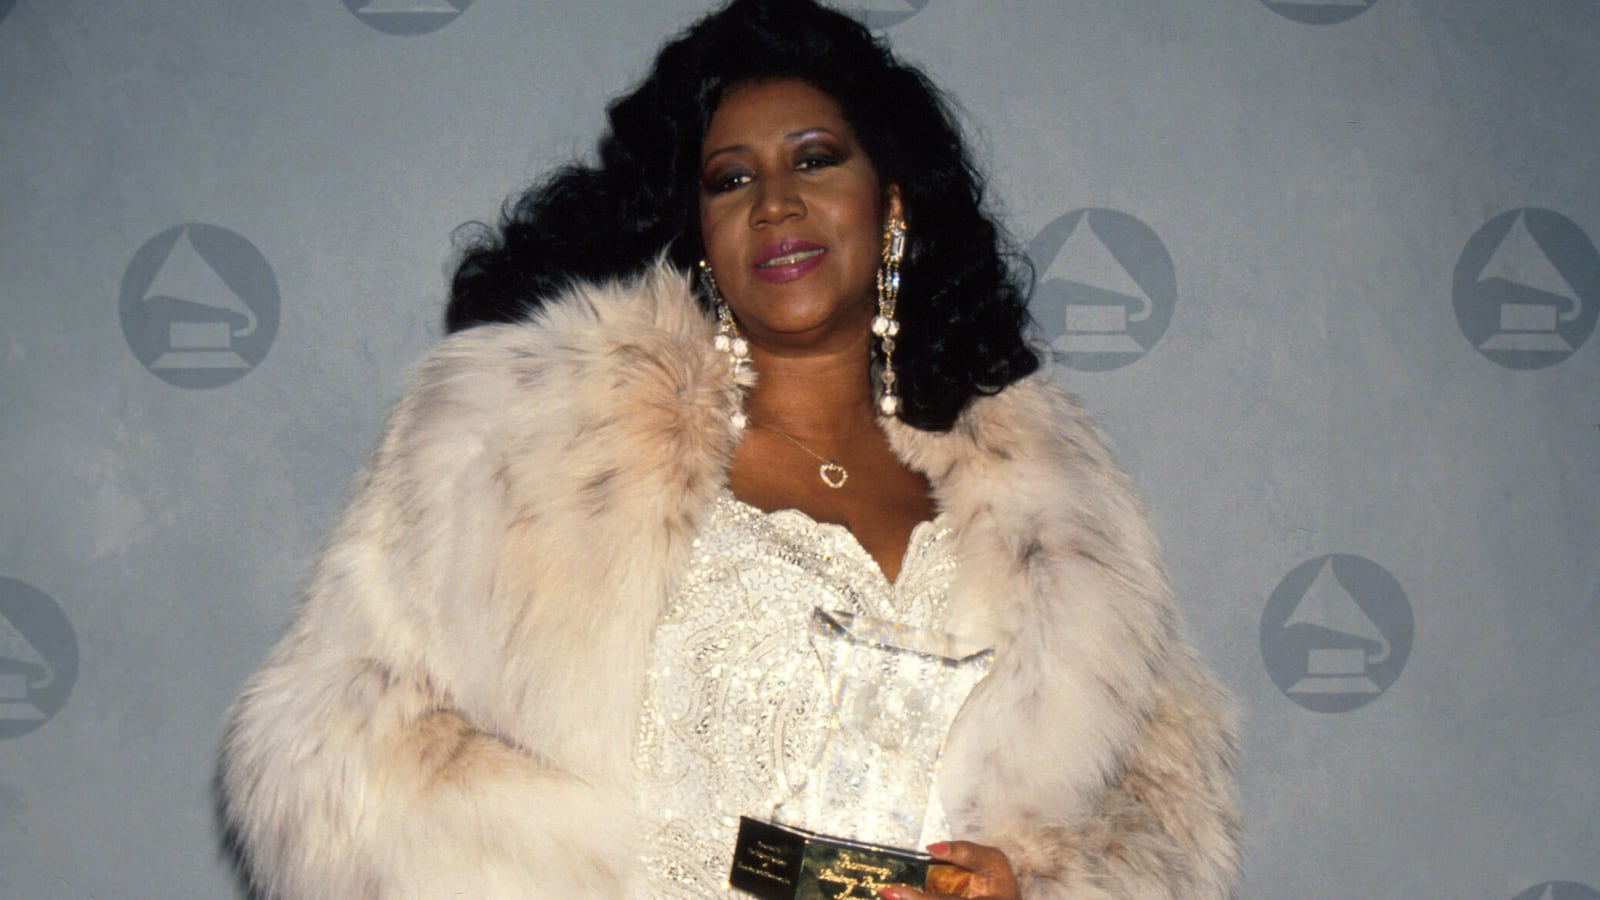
(586,322)
(599,370)
(1032,427)
(592,344)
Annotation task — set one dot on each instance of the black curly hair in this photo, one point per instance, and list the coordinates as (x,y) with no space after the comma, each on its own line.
(962,311)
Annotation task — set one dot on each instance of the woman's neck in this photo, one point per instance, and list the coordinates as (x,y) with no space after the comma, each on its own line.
(814,444)
(824,398)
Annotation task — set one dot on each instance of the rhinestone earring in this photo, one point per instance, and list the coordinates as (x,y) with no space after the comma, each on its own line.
(884,324)
(728,339)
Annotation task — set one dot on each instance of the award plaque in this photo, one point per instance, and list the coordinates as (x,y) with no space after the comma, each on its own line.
(895,691)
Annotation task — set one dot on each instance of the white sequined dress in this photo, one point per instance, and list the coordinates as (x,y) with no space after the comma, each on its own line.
(735,702)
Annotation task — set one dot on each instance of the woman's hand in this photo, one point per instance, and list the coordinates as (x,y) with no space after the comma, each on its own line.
(979,872)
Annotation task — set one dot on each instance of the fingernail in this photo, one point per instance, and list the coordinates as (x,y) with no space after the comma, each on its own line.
(939,849)
(889,894)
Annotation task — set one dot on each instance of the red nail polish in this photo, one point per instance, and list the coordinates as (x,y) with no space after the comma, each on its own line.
(939,849)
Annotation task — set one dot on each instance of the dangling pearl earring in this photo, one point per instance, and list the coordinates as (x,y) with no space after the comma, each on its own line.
(727,340)
(884,324)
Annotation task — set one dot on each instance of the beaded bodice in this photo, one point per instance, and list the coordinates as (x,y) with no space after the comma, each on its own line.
(736,704)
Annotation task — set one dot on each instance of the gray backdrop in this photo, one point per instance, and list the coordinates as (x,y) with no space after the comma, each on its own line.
(1325,270)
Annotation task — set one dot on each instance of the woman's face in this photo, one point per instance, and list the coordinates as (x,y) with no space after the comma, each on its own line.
(792,216)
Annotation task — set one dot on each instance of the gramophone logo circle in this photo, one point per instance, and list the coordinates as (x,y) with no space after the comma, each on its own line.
(1105,288)
(38,658)
(1336,633)
(1559,890)
(883,13)
(1527,288)
(199,306)
(1319,12)
(407,17)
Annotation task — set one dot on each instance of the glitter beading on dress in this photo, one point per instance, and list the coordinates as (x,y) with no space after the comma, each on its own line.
(736,702)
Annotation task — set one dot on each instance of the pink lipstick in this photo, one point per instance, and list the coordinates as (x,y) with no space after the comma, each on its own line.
(788,260)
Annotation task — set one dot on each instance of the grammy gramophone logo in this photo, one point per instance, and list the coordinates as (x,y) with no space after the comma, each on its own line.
(883,13)
(1105,288)
(38,658)
(1527,288)
(407,17)
(1319,12)
(199,306)
(1559,890)
(1336,632)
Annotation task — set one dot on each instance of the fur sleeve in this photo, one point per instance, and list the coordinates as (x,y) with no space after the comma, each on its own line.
(342,780)
(1163,827)
(350,769)
(452,711)
(1097,751)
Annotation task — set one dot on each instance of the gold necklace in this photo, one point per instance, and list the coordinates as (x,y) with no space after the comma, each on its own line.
(832,474)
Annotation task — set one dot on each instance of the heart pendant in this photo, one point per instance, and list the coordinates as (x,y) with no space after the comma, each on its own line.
(833,474)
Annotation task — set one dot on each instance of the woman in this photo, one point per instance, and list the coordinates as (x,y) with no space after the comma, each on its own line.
(558,642)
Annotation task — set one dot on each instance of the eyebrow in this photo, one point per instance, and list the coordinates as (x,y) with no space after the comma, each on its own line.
(793,137)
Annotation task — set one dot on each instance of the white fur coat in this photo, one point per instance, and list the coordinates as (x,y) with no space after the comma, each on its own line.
(452,712)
